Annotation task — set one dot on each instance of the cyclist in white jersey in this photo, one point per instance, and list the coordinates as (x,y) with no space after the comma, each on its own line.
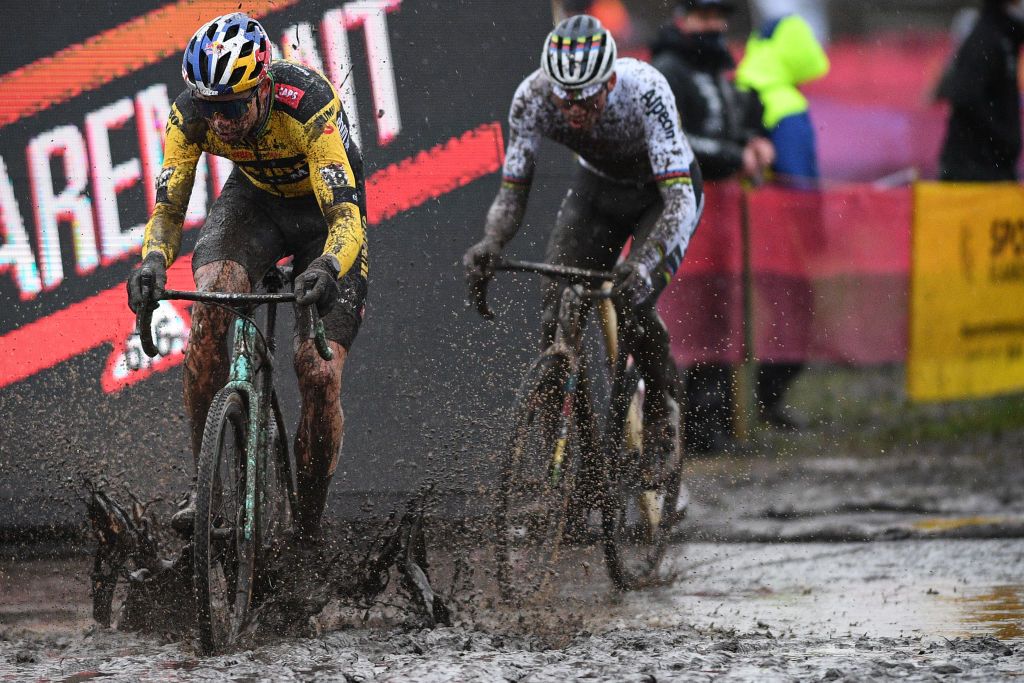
(636,177)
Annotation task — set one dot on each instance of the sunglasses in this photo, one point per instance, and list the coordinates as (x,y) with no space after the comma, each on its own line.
(229,109)
(567,99)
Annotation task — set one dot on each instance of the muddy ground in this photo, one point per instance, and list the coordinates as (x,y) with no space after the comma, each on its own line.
(871,546)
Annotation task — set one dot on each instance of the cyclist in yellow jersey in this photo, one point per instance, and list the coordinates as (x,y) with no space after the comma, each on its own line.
(297,189)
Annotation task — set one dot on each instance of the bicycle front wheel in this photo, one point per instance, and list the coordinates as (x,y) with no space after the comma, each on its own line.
(538,478)
(224,554)
(641,505)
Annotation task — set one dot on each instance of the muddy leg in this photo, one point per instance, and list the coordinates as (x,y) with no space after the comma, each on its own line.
(319,435)
(206,358)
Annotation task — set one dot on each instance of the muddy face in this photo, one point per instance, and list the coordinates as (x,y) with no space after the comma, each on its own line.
(233,117)
(233,130)
(582,114)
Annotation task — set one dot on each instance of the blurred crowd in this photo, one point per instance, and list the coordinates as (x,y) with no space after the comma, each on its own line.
(749,121)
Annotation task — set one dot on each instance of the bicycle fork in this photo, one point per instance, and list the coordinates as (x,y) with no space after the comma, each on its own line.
(563,425)
(243,378)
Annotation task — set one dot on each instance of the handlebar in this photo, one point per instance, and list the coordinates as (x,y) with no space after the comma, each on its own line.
(478,288)
(556,271)
(144,318)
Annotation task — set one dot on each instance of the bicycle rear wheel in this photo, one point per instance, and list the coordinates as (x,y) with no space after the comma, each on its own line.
(538,478)
(638,512)
(224,555)
(278,500)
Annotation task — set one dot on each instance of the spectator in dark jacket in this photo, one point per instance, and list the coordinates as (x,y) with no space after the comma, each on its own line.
(983,139)
(724,128)
(722,124)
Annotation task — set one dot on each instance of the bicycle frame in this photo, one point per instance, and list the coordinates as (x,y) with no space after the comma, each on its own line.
(248,354)
(251,352)
(568,340)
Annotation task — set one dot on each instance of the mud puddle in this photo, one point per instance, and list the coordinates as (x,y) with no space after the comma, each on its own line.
(917,610)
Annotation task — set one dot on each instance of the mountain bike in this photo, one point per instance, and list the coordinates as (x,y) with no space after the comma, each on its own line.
(560,463)
(245,479)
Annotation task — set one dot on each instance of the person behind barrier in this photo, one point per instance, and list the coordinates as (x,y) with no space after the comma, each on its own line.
(781,56)
(636,177)
(296,189)
(983,136)
(724,127)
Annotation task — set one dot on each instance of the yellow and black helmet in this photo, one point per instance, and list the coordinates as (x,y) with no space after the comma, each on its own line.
(230,54)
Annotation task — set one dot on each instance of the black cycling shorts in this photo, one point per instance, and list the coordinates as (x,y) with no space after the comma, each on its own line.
(256,229)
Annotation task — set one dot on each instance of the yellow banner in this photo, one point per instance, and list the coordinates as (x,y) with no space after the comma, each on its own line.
(967,291)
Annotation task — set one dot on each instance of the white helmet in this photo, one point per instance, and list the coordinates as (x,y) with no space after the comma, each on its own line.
(579,53)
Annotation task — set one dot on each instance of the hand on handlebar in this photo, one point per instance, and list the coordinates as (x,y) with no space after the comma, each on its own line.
(481,258)
(480,261)
(146,283)
(633,282)
(318,285)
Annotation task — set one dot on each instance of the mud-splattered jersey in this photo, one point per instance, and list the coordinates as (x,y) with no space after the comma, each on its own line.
(303,147)
(637,139)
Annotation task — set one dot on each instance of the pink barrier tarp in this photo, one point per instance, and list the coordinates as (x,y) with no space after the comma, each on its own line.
(830,277)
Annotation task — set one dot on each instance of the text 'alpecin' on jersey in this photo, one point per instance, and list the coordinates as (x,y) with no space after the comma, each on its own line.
(637,140)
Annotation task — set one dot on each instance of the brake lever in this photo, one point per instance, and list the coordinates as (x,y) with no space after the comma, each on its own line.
(478,296)
(144,318)
(318,334)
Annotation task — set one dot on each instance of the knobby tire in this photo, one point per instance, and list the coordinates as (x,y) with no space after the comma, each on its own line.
(532,511)
(224,565)
(634,549)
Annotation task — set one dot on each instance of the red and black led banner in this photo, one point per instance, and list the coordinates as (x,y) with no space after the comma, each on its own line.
(427,86)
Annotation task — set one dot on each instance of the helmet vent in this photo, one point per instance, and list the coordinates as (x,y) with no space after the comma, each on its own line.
(246,50)
(212,31)
(204,71)
(231,32)
(222,65)
(236,75)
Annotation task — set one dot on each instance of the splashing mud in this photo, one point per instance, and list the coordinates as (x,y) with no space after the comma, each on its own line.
(296,584)
(921,600)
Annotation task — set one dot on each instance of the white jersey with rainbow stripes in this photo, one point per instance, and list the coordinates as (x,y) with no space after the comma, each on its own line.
(637,140)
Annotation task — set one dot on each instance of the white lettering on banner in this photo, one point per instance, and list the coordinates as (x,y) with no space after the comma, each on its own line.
(298,44)
(196,212)
(70,204)
(108,180)
(151,108)
(339,65)
(220,169)
(16,252)
(90,175)
(372,14)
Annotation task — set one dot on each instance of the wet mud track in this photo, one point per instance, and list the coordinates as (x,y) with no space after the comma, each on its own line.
(916,610)
(910,566)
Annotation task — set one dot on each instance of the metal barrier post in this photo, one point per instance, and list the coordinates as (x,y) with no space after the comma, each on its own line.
(743,392)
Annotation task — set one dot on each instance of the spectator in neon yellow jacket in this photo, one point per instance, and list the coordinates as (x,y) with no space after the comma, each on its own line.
(783,55)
